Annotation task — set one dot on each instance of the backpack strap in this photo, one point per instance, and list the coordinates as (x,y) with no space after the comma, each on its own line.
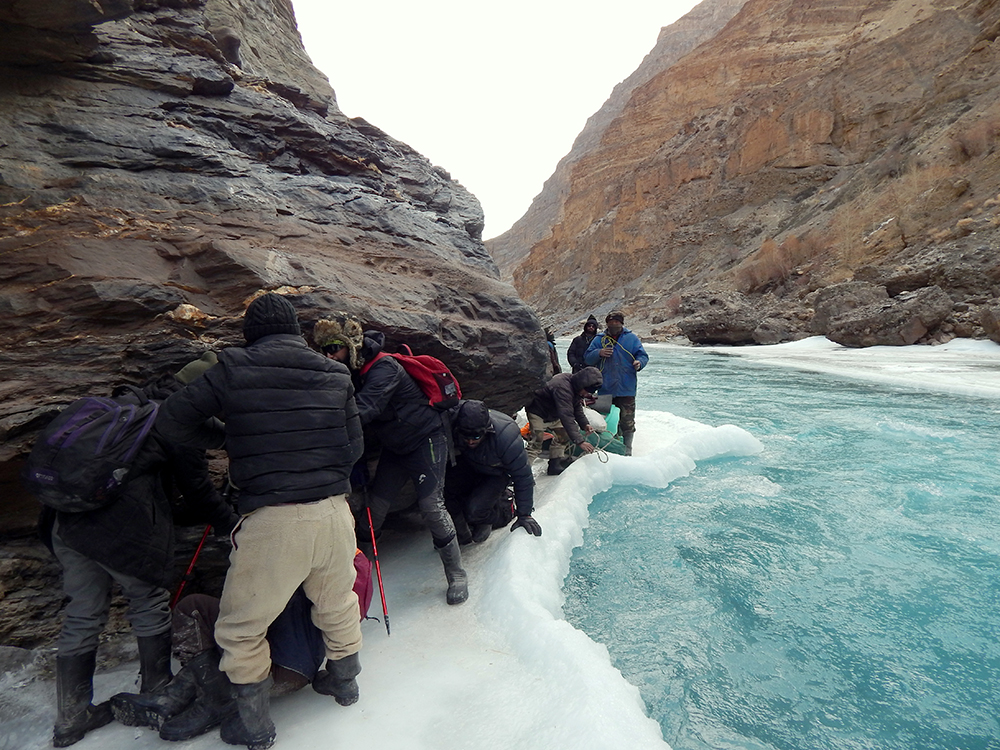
(121,390)
(368,365)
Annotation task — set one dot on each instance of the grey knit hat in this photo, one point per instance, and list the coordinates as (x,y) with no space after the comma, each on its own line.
(267,315)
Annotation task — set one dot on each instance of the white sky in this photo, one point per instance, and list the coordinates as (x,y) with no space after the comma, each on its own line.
(494,93)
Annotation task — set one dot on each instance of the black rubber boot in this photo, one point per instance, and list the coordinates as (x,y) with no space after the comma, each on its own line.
(154,662)
(75,714)
(627,438)
(462,530)
(338,679)
(458,581)
(481,532)
(251,724)
(152,709)
(556,466)
(212,704)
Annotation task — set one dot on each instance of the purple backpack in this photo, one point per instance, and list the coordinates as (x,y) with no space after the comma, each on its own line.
(84,456)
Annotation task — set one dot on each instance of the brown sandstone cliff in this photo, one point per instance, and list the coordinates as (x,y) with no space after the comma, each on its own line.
(673,42)
(806,144)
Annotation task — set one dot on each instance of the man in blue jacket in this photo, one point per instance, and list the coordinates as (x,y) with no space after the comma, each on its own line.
(619,355)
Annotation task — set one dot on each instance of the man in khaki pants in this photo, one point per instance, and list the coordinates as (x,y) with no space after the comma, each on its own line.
(292,433)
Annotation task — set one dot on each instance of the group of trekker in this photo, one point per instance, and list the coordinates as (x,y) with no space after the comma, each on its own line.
(293,421)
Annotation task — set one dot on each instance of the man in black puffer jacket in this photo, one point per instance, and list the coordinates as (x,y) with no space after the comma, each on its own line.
(414,446)
(292,434)
(491,457)
(579,345)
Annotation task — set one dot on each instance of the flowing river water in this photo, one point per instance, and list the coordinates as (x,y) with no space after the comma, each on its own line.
(839,590)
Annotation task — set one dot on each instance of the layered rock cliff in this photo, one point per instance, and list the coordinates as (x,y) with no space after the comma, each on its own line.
(703,22)
(163,160)
(805,145)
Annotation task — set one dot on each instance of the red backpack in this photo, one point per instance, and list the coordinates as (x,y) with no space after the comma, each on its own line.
(431,374)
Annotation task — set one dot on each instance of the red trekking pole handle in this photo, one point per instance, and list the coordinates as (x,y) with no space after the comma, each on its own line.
(378,571)
(187,574)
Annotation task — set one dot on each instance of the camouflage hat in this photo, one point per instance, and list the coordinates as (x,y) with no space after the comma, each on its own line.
(344,330)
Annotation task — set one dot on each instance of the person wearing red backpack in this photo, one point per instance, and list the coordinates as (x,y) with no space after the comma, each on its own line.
(413,437)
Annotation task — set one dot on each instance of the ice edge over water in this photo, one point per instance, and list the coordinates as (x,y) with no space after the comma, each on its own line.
(962,367)
(523,581)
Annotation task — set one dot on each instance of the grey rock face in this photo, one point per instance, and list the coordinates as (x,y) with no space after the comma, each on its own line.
(719,318)
(989,318)
(838,299)
(899,321)
(149,185)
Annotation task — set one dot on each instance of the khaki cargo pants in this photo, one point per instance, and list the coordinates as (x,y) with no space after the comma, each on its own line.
(275,549)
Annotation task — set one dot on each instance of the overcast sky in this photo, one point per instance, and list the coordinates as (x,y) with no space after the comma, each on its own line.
(493,92)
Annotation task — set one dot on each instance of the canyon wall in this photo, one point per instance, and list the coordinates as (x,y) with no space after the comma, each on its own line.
(803,146)
(703,22)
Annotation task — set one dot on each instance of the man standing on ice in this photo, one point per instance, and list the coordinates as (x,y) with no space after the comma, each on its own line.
(619,355)
(292,433)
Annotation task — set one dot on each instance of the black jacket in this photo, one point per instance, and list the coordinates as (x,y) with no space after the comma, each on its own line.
(135,533)
(574,355)
(291,424)
(558,399)
(392,403)
(502,452)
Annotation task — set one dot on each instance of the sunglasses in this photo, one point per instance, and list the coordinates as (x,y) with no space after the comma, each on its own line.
(477,436)
(332,348)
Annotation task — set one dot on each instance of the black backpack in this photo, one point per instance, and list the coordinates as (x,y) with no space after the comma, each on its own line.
(84,456)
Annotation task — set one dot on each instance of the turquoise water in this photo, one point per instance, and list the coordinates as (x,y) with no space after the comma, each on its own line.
(839,590)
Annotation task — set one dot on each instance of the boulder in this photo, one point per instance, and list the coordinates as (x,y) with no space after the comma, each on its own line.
(899,321)
(718,318)
(773,330)
(838,299)
(989,318)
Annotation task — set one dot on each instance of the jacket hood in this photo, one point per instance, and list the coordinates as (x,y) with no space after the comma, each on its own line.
(372,345)
(589,378)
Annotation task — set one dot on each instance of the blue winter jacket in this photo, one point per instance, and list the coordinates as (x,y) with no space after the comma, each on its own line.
(619,373)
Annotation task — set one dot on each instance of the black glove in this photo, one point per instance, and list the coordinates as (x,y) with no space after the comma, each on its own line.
(359,474)
(223,527)
(527,523)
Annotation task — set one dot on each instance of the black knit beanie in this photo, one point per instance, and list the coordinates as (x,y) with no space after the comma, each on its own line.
(267,315)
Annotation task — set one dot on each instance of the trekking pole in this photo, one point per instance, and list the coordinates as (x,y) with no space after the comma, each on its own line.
(226,495)
(378,571)
(187,573)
